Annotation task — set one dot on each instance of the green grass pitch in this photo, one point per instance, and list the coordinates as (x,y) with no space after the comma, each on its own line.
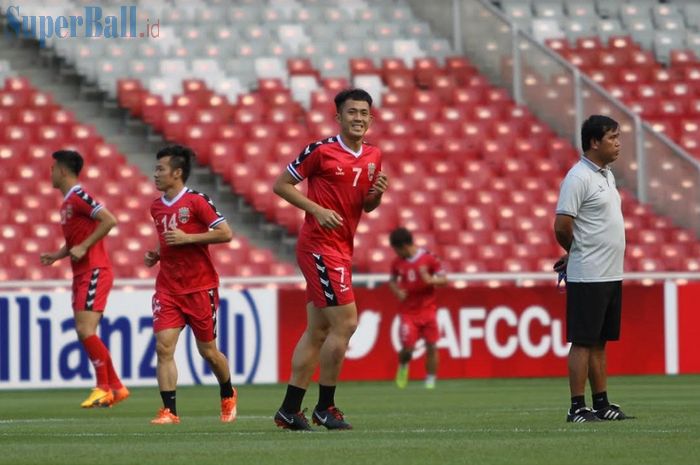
(498,421)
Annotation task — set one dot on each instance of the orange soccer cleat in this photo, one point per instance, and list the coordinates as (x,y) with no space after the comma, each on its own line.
(164,417)
(120,395)
(229,409)
(98,398)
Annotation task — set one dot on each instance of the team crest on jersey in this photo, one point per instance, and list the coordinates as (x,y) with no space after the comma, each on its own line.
(183,215)
(339,171)
(371,167)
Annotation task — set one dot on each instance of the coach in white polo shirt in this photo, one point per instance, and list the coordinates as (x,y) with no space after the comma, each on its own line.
(589,226)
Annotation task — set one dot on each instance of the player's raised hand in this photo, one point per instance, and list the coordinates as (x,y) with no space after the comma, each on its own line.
(151,257)
(381,184)
(77,252)
(47,258)
(175,237)
(328,218)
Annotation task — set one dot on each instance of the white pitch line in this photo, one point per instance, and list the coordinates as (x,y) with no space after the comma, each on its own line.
(36,420)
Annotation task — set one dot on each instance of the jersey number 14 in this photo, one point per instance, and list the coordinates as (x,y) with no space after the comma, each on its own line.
(172,224)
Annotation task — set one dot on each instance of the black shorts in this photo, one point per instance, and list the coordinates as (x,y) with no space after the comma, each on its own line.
(593,312)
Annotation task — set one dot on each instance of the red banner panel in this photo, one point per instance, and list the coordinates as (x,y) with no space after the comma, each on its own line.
(484,333)
(689,328)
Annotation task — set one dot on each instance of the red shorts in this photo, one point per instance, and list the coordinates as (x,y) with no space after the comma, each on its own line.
(90,290)
(197,309)
(418,326)
(328,279)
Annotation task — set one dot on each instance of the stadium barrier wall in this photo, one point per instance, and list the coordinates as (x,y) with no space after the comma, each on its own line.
(487,333)
(688,322)
(518,332)
(39,347)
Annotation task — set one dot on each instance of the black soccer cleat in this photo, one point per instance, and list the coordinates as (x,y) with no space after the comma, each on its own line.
(581,415)
(292,421)
(611,413)
(331,418)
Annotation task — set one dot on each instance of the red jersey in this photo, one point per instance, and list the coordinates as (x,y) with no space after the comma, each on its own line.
(406,272)
(339,179)
(185,268)
(78,221)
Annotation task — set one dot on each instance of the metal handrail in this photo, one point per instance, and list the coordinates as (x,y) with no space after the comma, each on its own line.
(641,130)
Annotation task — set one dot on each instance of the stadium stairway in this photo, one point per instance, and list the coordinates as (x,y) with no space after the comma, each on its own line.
(131,138)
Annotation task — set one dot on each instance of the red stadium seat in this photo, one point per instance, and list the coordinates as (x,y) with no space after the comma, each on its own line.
(444,86)
(363,66)
(459,148)
(622,43)
(129,93)
(300,66)
(425,71)
(152,110)
(400,82)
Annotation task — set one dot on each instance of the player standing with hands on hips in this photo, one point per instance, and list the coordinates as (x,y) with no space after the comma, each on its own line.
(590,227)
(344,179)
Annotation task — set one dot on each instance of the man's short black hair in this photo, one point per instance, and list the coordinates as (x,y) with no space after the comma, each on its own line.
(352,94)
(70,159)
(400,237)
(180,157)
(595,127)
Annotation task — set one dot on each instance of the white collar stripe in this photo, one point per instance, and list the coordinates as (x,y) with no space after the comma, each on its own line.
(419,254)
(172,202)
(71,190)
(348,149)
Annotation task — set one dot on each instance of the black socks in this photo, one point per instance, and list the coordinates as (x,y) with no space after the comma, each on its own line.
(577,402)
(226,389)
(169,401)
(326,397)
(293,398)
(600,400)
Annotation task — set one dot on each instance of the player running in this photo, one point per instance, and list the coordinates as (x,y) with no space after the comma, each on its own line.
(187,283)
(344,179)
(414,275)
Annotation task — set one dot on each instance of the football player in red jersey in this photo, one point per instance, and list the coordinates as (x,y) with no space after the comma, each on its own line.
(414,275)
(344,179)
(187,283)
(85,222)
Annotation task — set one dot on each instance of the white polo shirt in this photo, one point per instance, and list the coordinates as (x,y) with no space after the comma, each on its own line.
(589,195)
